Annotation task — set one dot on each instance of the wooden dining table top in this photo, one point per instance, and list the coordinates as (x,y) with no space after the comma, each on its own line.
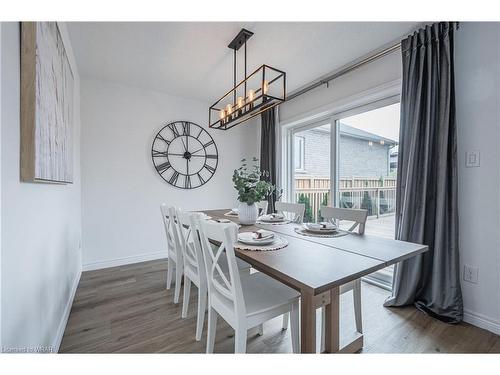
(317,264)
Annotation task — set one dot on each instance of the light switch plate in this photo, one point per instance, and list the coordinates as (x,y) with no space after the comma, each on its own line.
(471,274)
(472,159)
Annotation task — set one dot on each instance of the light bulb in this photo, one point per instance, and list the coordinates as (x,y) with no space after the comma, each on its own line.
(265,87)
(240,102)
(222,114)
(251,95)
(229,109)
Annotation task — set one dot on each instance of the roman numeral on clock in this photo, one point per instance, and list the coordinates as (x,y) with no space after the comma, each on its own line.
(187,182)
(186,128)
(202,181)
(210,168)
(211,156)
(174,130)
(163,167)
(159,136)
(208,143)
(157,154)
(173,179)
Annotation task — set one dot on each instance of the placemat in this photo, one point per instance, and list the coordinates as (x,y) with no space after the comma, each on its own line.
(280,243)
(272,223)
(338,233)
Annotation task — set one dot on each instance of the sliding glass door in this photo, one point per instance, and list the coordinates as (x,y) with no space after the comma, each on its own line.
(311,169)
(367,154)
(347,160)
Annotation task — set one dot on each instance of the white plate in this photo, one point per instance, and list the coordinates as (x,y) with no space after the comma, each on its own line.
(270,219)
(319,230)
(247,238)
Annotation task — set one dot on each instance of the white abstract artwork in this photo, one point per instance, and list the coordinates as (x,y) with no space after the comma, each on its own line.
(50,112)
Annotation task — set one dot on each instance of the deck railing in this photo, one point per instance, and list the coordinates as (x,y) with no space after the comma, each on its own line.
(377,195)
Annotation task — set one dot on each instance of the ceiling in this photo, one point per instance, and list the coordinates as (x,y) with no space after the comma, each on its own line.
(192,59)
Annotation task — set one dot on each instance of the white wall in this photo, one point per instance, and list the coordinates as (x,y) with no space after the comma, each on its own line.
(477,56)
(477,73)
(41,225)
(379,72)
(122,191)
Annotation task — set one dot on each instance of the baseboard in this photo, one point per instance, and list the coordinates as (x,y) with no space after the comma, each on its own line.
(64,319)
(125,260)
(481,321)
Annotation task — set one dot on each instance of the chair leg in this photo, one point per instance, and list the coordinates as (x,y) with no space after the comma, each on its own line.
(323,330)
(170,270)
(185,296)
(202,307)
(294,327)
(240,340)
(178,281)
(260,329)
(212,327)
(286,317)
(356,293)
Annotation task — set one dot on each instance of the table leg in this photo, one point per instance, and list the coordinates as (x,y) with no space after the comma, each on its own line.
(332,334)
(307,324)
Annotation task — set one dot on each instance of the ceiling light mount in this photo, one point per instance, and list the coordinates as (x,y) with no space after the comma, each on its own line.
(267,89)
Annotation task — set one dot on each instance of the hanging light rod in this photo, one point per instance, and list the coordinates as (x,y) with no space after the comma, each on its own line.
(267,89)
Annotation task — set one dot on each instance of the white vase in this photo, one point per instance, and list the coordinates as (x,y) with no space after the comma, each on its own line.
(247,214)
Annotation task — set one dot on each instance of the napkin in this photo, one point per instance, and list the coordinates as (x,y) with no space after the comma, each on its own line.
(222,220)
(262,234)
(324,225)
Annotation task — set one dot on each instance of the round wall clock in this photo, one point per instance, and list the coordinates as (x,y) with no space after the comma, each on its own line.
(184,155)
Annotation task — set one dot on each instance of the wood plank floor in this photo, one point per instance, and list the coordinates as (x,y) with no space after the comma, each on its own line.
(127,309)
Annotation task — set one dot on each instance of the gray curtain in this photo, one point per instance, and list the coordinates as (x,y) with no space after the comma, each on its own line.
(268,151)
(427,207)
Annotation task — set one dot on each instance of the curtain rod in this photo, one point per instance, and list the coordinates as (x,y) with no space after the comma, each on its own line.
(345,70)
(354,65)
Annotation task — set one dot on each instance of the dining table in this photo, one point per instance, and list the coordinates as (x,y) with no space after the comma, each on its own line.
(317,267)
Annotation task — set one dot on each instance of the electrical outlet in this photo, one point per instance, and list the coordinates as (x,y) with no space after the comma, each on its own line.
(471,274)
(472,159)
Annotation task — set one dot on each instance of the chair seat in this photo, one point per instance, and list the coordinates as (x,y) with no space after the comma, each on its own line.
(263,293)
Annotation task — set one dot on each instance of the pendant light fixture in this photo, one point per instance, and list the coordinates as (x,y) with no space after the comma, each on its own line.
(256,93)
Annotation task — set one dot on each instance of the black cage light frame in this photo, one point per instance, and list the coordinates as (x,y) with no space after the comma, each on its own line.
(253,102)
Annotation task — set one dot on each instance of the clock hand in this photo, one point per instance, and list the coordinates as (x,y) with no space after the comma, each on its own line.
(185,148)
(197,151)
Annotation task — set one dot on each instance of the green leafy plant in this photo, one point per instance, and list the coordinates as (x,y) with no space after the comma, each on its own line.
(366,203)
(308,217)
(249,183)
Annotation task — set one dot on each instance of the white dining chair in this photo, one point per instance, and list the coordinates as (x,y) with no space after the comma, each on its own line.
(292,211)
(262,207)
(194,265)
(175,261)
(358,217)
(243,301)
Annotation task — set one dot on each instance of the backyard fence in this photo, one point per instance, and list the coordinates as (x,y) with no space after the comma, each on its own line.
(377,195)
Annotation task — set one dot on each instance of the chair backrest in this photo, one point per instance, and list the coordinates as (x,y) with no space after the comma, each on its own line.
(168,217)
(292,211)
(336,214)
(222,287)
(262,207)
(190,244)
